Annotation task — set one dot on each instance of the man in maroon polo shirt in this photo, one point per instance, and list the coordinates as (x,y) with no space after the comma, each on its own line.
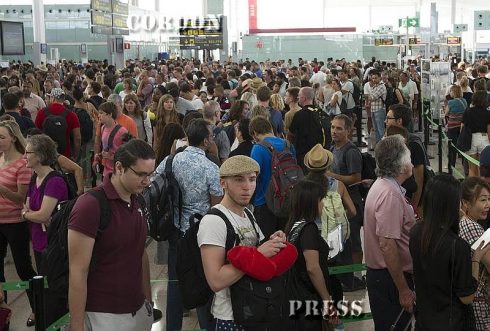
(114,294)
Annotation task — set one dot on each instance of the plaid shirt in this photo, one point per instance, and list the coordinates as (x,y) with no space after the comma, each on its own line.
(470,231)
(377,96)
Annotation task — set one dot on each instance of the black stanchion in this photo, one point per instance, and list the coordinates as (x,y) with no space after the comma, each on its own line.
(439,145)
(37,286)
(450,150)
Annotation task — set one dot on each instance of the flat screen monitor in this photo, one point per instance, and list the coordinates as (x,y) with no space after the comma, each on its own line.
(12,36)
(119,45)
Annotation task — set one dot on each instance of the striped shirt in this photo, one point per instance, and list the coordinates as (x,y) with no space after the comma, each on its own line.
(14,174)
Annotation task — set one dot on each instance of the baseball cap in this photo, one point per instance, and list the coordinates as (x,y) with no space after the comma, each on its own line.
(56,93)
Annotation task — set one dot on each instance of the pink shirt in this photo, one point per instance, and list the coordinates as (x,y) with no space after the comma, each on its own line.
(14,174)
(106,132)
(387,214)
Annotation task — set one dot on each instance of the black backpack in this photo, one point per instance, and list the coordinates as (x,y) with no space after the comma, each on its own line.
(324,119)
(86,125)
(368,168)
(193,285)
(356,94)
(55,256)
(69,180)
(55,126)
(163,198)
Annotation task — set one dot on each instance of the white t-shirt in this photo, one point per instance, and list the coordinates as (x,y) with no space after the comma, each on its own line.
(212,231)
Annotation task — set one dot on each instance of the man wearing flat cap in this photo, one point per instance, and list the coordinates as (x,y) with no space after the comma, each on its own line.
(238,176)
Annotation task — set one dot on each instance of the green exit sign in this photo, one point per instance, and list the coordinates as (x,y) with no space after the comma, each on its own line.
(411,22)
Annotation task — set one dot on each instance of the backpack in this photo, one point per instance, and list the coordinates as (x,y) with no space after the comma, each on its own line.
(163,198)
(55,256)
(112,135)
(356,94)
(86,125)
(428,171)
(70,184)
(56,126)
(194,288)
(342,105)
(323,118)
(368,168)
(285,174)
(333,215)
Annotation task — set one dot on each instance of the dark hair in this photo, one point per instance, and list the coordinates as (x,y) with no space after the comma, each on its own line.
(33,132)
(197,131)
(304,202)
(403,112)
(480,99)
(393,129)
(129,153)
(472,187)
(95,87)
(243,127)
(346,119)
(77,93)
(294,93)
(320,178)
(442,198)
(236,110)
(171,132)
(10,101)
(109,108)
(260,125)
(263,93)
(375,72)
(189,117)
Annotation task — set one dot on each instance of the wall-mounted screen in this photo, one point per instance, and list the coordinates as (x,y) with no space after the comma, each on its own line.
(12,36)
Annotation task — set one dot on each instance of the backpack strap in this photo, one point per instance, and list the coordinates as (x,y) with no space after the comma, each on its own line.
(294,234)
(169,172)
(53,173)
(105,218)
(112,135)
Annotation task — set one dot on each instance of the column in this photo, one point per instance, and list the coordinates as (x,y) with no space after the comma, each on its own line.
(39,31)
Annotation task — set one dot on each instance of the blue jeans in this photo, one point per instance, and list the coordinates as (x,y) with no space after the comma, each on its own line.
(175,308)
(379,123)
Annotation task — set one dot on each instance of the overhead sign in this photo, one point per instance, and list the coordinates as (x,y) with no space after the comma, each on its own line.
(383,41)
(411,22)
(205,34)
(453,40)
(482,20)
(102,19)
(460,28)
(414,41)
(120,7)
(101,5)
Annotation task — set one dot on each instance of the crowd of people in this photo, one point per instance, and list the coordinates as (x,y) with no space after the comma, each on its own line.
(70,128)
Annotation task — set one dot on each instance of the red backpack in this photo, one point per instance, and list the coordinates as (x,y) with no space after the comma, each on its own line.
(284,175)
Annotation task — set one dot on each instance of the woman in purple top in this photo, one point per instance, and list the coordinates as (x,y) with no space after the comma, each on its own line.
(46,189)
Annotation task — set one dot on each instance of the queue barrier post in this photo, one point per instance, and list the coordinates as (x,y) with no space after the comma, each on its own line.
(439,145)
(37,286)
(450,151)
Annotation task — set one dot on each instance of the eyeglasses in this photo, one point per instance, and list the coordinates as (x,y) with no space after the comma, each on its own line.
(142,175)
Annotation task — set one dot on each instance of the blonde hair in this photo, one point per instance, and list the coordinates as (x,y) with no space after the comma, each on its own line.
(456,91)
(463,82)
(277,102)
(14,131)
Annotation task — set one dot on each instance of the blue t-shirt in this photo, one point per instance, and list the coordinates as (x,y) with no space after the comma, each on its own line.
(264,158)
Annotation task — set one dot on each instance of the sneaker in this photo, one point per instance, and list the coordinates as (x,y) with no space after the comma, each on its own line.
(157,315)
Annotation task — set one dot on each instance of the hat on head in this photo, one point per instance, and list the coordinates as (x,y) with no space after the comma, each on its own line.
(238,165)
(256,83)
(318,158)
(56,93)
(42,67)
(485,160)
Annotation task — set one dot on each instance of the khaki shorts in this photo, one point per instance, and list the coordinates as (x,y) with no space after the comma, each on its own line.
(141,320)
